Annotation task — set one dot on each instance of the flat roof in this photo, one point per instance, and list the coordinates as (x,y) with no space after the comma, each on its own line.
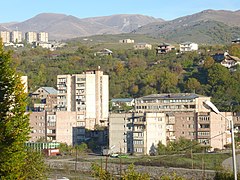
(170,96)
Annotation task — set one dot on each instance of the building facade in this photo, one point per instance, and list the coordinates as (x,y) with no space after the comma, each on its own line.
(87,94)
(16,36)
(42,36)
(5,35)
(31,37)
(136,133)
(168,117)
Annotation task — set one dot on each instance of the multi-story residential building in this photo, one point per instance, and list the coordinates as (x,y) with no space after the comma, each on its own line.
(42,36)
(142,46)
(5,35)
(43,126)
(87,94)
(179,115)
(38,126)
(136,133)
(31,37)
(188,46)
(47,99)
(69,129)
(179,102)
(16,36)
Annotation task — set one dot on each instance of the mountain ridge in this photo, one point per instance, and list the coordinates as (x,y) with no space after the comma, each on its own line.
(203,27)
(61,26)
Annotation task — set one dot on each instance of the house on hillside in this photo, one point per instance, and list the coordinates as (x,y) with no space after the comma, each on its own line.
(236,41)
(188,46)
(104,52)
(126,41)
(142,46)
(230,61)
(164,48)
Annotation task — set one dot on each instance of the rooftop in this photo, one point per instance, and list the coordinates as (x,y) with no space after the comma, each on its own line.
(171,96)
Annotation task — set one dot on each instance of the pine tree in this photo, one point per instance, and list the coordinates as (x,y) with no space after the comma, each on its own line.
(14,122)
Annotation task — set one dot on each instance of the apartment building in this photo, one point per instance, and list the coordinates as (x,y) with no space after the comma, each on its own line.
(87,94)
(42,36)
(45,98)
(179,115)
(178,102)
(5,35)
(31,37)
(136,133)
(43,126)
(16,36)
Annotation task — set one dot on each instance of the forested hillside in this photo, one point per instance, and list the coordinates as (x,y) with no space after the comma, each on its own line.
(135,73)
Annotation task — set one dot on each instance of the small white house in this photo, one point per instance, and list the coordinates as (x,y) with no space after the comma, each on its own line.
(126,41)
(188,46)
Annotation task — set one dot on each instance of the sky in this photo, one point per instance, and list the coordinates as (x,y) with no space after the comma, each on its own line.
(21,10)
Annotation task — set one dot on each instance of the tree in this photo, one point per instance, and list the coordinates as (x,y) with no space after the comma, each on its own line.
(14,123)
(193,85)
(35,167)
(132,174)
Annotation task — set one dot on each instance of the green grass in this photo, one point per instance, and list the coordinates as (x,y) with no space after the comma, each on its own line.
(199,161)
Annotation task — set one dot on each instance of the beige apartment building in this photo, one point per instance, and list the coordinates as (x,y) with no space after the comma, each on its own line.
(31,37)
(136,133)
(87,94)
(43,126)
(179,115)
(5,35)
(16,36)
(42,36)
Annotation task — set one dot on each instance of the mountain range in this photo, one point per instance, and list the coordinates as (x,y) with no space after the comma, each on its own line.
(209,26)
(61,26)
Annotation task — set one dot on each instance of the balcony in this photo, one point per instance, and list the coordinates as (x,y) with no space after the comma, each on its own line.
(139,122)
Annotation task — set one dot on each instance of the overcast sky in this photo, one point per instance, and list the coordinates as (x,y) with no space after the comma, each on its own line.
(21,10)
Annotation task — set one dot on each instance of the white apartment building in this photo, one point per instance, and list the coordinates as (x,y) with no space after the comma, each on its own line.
(136,133)
(31,37)
(16,36)
(87,94)
(42,36)
(5,35)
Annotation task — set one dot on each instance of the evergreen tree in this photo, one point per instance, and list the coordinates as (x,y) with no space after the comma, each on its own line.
(14,123)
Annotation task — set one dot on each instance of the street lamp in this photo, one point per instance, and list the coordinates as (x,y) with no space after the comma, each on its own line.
(210,105)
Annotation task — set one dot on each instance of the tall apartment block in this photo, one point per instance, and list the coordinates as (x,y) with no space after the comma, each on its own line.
(5,35)
(16,36)
(136,133)
(42,36)
(31,37)
(87,94)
